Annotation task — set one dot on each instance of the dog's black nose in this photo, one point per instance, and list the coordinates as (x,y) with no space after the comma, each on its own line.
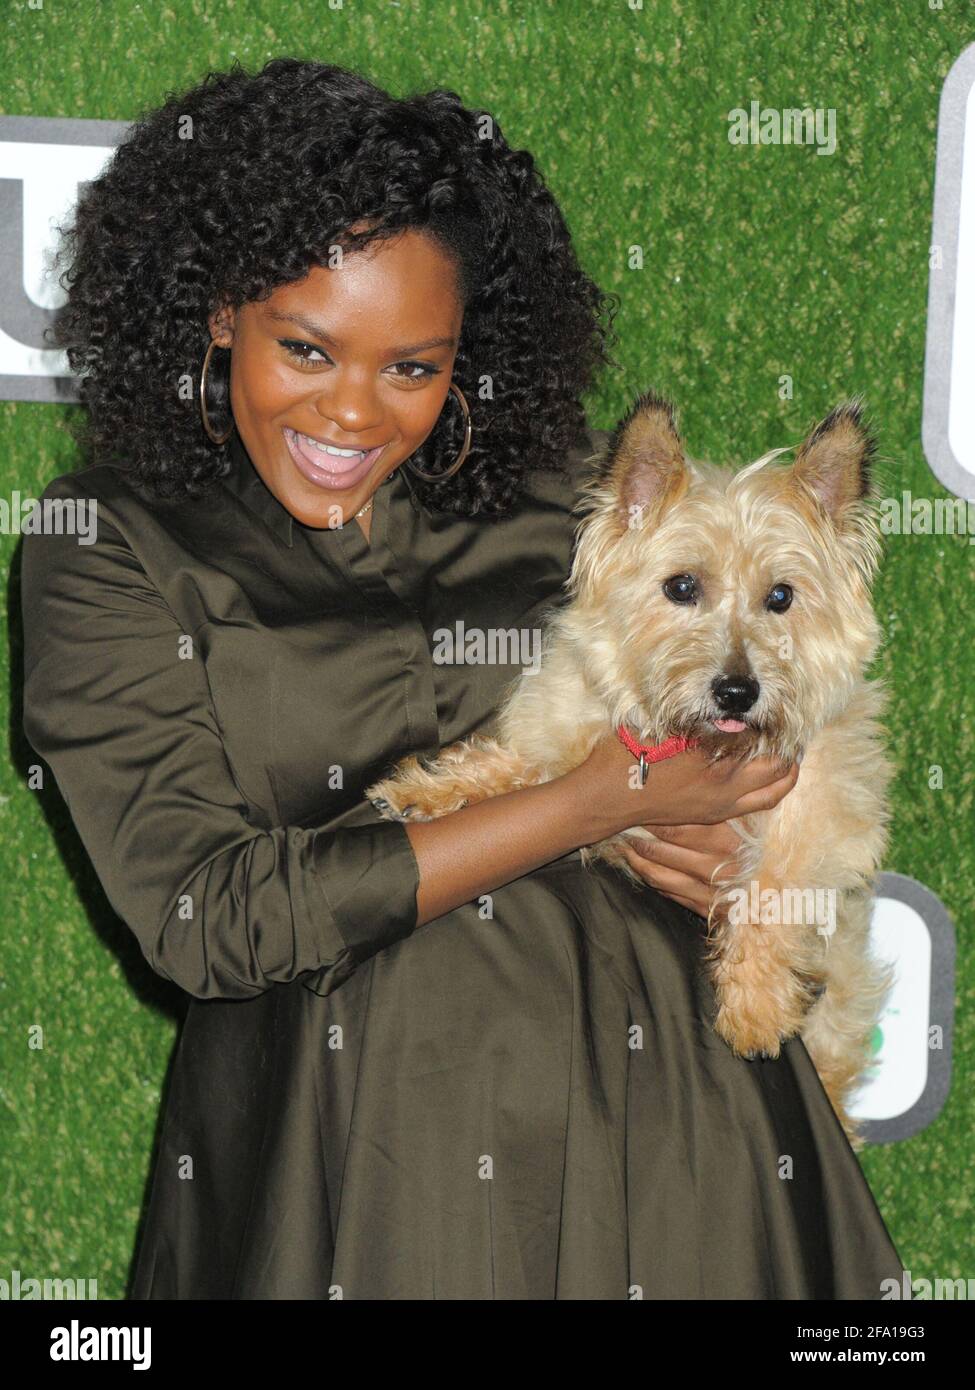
(735,694)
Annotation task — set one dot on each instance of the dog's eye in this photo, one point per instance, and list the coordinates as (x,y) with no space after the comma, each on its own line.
(779,598)
(681,588)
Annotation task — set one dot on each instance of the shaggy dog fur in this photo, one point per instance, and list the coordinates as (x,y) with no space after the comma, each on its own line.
(701,598)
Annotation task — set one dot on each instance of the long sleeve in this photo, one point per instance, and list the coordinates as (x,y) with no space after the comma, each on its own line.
(117,703)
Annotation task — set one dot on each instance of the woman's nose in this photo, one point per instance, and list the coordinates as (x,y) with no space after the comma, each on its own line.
(352,407)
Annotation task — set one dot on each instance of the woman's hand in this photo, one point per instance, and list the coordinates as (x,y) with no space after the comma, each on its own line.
(687,803)
(683,790)
(680,862)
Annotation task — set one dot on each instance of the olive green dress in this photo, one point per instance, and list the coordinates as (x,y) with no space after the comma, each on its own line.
(523,1099)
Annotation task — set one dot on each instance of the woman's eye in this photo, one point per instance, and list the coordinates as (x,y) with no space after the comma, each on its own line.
(779,598)
(681,588)
(298,350)
(425,369)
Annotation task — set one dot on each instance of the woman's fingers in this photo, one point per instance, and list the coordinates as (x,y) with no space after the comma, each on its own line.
(762,772)
(689,863)
(721,837)
(688,891)
(764,798)
(693,862)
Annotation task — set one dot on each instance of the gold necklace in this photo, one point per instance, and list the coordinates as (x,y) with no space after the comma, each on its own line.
(362,510)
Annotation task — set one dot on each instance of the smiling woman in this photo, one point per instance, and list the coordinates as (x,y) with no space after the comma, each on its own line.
(440,1061)
(327,420)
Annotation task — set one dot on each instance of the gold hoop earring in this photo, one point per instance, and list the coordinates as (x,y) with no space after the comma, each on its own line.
(468,431)
(217,438)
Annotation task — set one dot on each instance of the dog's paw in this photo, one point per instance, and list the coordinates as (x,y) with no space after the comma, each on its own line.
(408,799)
(389,812)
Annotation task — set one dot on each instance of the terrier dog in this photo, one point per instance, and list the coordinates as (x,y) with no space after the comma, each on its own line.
(731,610)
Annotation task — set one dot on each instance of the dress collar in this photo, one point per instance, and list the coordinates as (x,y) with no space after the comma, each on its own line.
(244,480)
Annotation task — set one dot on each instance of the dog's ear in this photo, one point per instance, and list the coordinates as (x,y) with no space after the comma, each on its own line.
(835,460)
(647,470)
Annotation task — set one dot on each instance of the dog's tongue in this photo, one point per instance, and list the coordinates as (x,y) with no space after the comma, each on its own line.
(730,726)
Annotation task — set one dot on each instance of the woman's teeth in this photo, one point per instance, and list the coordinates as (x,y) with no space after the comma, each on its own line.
(330,449)
(327,466)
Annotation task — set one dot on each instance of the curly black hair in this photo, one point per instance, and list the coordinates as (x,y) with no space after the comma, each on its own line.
(241,185)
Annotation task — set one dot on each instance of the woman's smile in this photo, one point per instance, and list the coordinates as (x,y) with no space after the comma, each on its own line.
(335,471)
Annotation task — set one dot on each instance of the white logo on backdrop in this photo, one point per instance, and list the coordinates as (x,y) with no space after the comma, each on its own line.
(948,427)
(910,1075)
(43,163)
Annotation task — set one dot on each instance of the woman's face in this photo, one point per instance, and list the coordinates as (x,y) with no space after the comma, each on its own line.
(359,357)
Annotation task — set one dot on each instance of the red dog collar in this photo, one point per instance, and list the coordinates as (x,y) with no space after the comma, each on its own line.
(653,752)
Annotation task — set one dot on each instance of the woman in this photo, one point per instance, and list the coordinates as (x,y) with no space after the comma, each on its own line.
(439,1060)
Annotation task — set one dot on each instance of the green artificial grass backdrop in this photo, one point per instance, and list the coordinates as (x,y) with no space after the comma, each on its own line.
(758,262)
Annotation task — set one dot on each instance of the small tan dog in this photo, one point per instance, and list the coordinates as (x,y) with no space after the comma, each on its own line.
(733,609)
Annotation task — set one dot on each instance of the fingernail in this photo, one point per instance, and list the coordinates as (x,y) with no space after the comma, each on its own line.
(799,757)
